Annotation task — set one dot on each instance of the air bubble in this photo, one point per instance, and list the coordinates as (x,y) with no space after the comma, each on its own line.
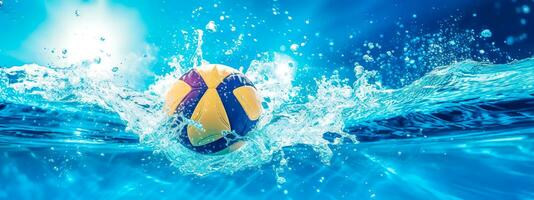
(368,58)
(523,21)
(486,33)
(525,9)
(509,40)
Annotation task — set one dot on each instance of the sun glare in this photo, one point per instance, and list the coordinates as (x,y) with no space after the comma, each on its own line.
(105,37)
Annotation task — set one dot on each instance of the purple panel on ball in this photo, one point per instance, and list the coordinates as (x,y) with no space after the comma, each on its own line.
(193,79)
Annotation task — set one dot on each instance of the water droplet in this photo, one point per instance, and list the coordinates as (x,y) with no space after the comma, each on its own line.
(294,47)
(211,26)
(370,45)
(368,58)
(486,33)
(281,180)
(115,69)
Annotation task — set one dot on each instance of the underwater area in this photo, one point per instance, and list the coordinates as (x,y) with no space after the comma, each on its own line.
(383,99)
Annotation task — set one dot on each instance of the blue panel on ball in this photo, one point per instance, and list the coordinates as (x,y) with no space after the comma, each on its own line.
(187,106)
(239,121)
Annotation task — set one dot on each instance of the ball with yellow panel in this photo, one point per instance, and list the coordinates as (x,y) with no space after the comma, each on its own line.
(222,100)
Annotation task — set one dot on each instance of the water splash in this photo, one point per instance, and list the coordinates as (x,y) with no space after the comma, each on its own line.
(142,111)
(290,119)
(332,105)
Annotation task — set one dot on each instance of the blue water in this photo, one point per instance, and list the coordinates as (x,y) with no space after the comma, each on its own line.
(362,100)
